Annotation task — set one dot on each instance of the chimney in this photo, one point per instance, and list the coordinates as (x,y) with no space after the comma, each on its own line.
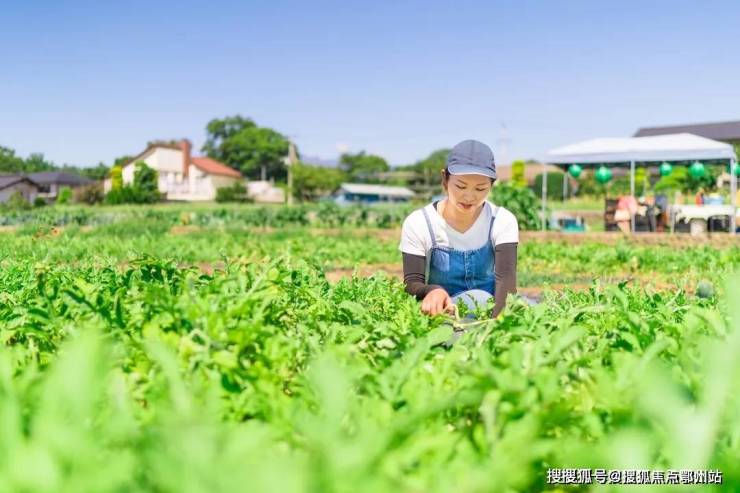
(186,147)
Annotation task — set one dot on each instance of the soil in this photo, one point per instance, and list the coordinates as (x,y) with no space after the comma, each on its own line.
(680,240)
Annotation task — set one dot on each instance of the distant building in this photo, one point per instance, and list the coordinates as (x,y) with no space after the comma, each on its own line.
(10,184)
(370,194)
(50,182)
(263,191)
(728,132)
(181,175)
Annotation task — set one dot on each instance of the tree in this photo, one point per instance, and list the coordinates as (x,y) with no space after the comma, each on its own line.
(362,166)
(146,181)
(554,185)
(98,172)
(240,143)
(9,162)
(310,182)
(116,178)
(642,181)
(35,162)
(121,160)
(681,180)
(517,173)
(429,167)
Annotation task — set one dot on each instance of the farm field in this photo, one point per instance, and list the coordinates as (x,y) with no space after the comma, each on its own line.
(167,354)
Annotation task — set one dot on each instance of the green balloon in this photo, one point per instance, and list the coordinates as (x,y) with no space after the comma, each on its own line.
(603,174)
(697,170)
(665,169)
(736,167)
(575,170)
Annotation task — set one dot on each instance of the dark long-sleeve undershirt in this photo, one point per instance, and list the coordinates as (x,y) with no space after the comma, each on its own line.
(414,269)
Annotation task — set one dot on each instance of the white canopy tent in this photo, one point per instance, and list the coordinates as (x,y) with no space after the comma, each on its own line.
(631,150)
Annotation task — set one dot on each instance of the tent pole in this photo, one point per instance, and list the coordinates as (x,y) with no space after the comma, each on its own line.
(544,196)
(565,186)
(733,196)
(632,192)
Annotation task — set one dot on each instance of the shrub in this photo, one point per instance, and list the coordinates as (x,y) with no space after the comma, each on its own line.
(554,185)
(116,178)
(17,202)
(235,193)
(90,194)
(144,190)
(522,202)
(64,196)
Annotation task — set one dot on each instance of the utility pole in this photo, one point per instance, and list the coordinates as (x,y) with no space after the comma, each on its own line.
(290,162)
(503,145)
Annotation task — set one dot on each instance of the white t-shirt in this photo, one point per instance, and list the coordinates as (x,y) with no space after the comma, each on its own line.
(415,238)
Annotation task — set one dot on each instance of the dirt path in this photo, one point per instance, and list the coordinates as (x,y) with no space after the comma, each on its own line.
(677,240)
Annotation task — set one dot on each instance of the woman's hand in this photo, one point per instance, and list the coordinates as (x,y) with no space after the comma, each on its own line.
(437,301)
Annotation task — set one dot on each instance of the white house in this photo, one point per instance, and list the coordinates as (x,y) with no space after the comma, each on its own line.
(181,175)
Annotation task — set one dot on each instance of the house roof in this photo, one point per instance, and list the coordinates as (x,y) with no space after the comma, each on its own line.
(49,177)
(365,189)
(214,167)
(204,163)
(717,131)
(10,180)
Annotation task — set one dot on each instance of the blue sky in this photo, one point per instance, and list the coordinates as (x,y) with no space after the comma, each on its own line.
(84,82)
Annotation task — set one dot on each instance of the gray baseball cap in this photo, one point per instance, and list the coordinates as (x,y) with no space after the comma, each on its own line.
(471,157)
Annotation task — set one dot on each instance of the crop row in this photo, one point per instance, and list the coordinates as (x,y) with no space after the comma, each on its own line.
(264,376)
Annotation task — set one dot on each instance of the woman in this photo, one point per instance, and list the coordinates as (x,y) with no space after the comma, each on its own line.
(461,248)
(626,208)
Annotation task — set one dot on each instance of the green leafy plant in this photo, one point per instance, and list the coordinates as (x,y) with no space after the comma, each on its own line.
(143,190)
(64,196)
(521,201)
(126,364)
(234,193)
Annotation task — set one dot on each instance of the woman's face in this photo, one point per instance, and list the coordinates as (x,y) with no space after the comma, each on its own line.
(465,193)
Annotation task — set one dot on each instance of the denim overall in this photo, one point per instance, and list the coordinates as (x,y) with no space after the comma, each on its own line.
(466,275)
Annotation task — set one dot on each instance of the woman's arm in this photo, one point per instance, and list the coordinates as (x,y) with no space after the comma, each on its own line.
(414,268)
(505,275)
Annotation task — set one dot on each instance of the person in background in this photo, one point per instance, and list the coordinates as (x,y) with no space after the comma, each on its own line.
(699,197)
(462,248)
(661,202)
(626,208)
(651,212)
